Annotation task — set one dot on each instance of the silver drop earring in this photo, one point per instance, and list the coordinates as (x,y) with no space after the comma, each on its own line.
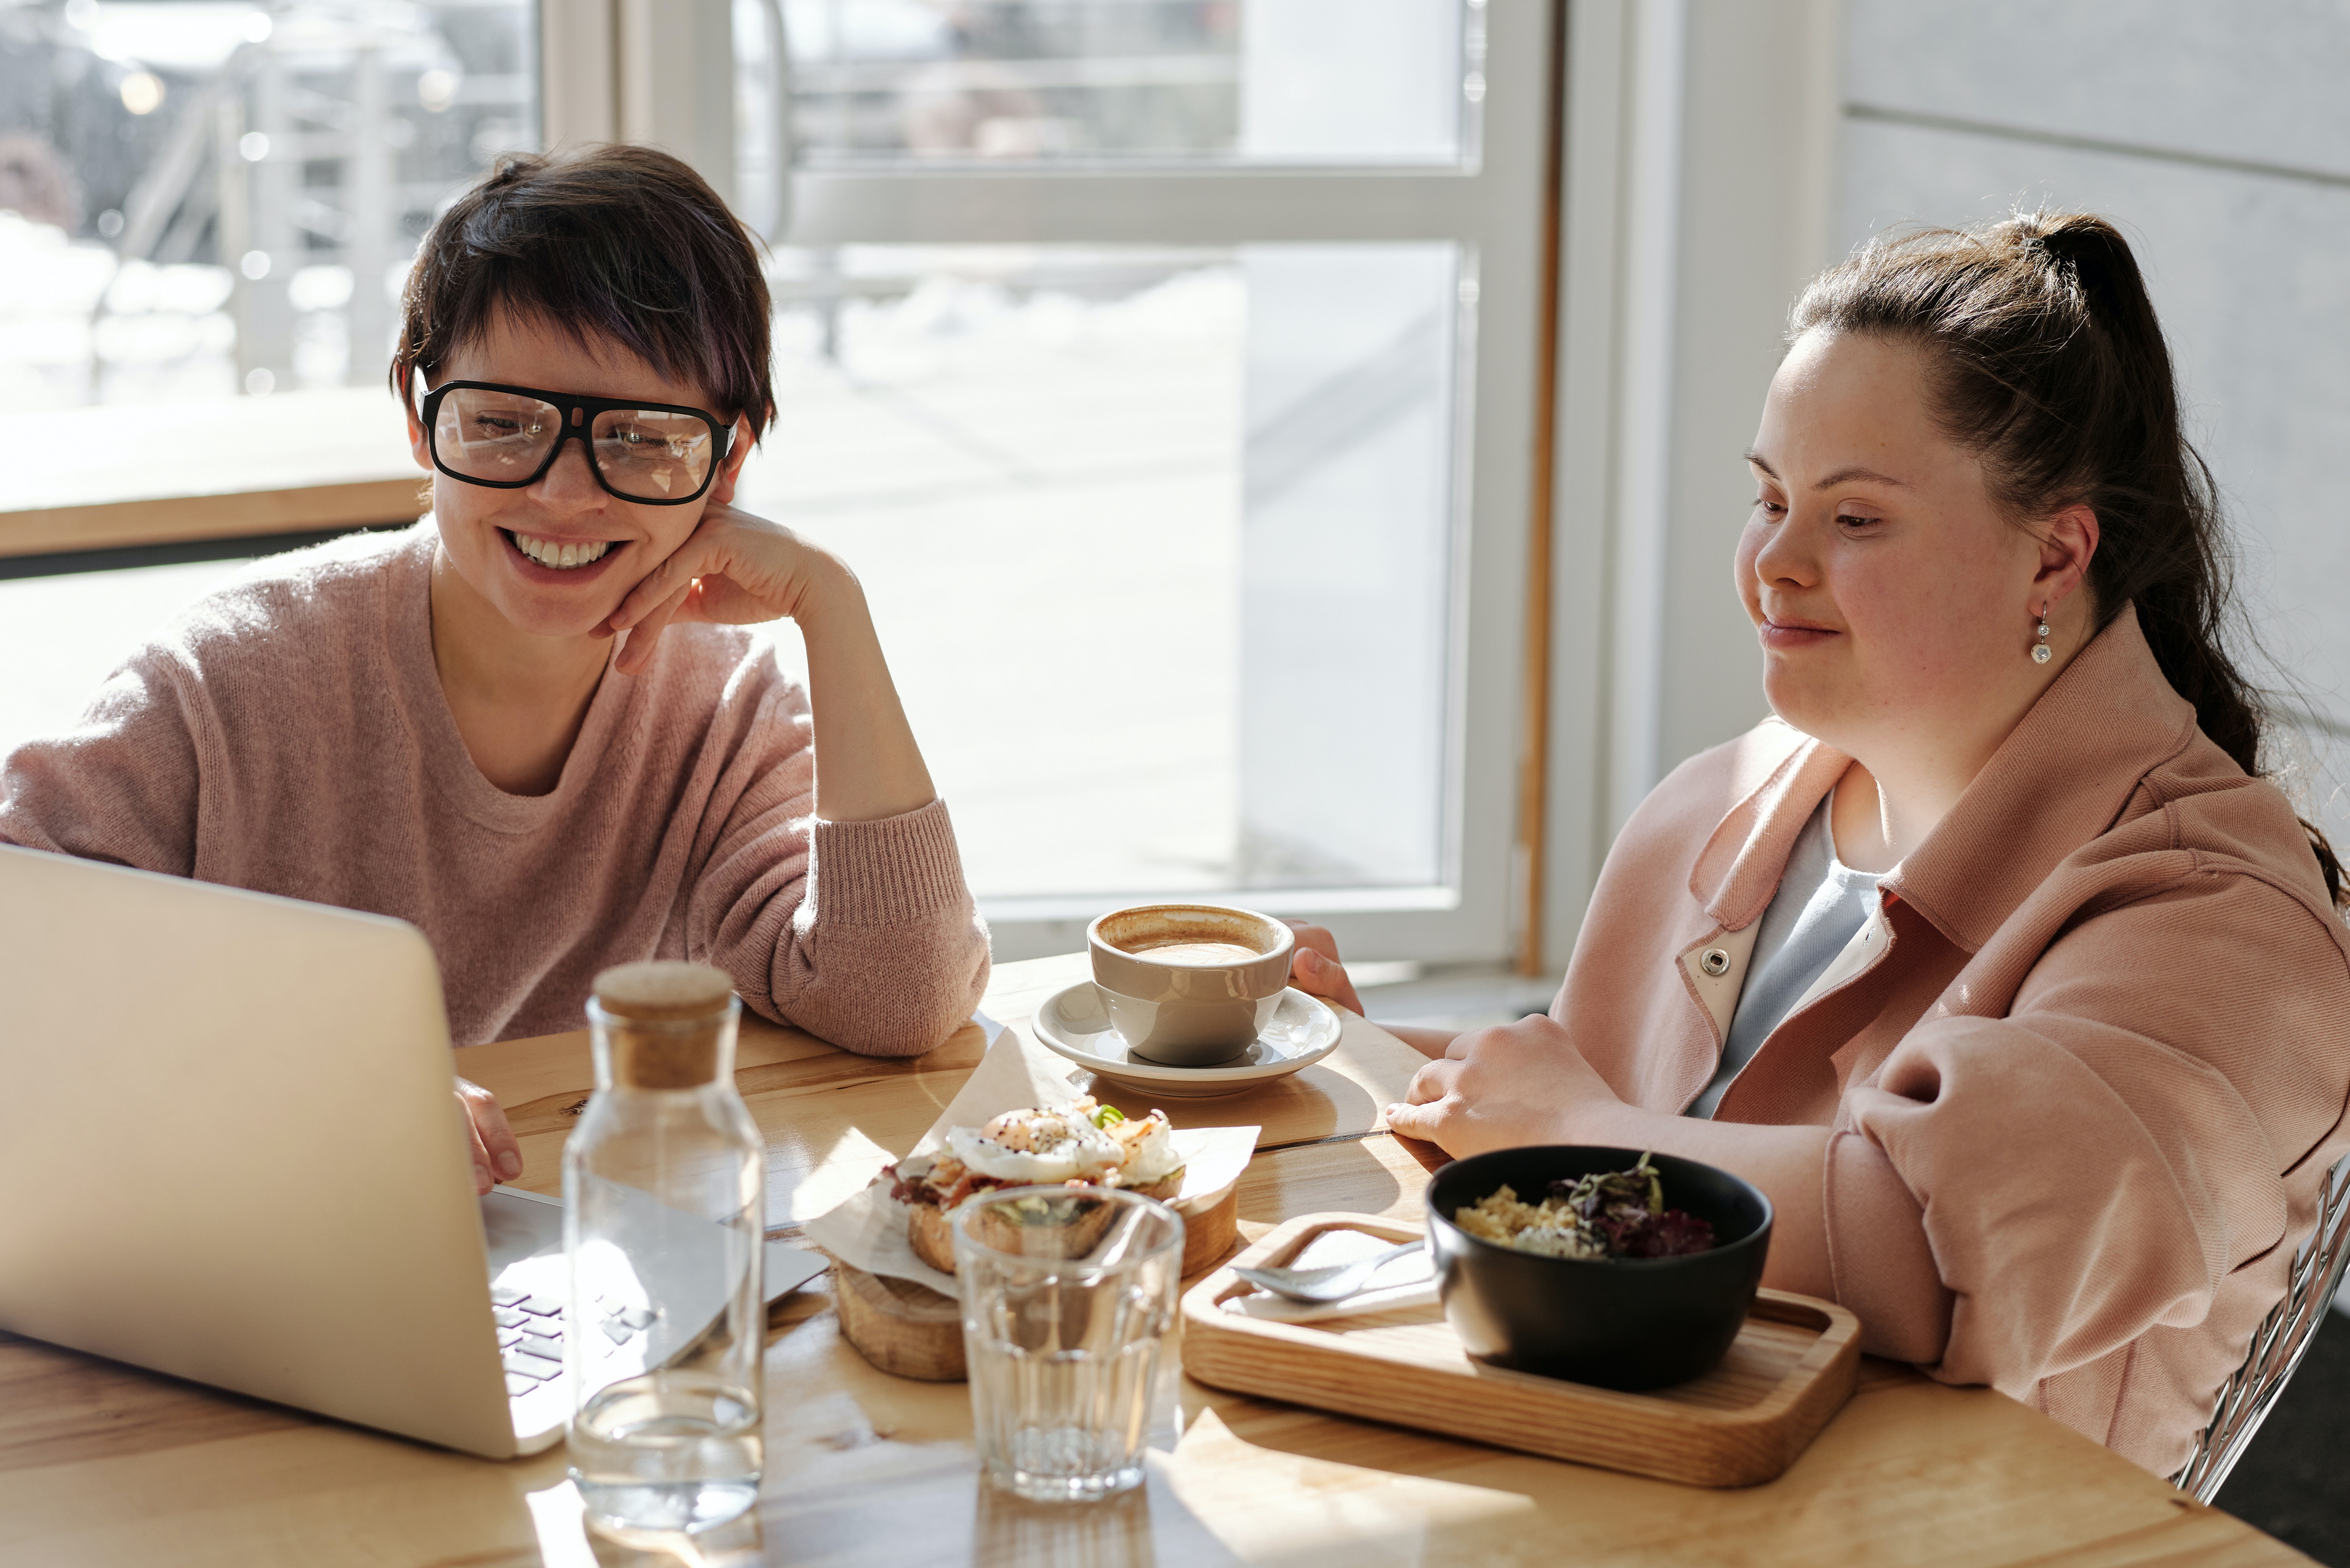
(2040,652)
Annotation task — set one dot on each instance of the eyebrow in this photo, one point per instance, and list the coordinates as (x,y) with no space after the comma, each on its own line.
(1841,476)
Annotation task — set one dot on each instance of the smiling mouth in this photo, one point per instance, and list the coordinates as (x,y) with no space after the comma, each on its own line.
(559,553)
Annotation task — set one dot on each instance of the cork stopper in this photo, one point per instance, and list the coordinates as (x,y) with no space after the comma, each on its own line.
(665,1020)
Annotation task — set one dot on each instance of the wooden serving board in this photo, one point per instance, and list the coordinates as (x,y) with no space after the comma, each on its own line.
(1790,1370)
(913,1331)
(903,1328)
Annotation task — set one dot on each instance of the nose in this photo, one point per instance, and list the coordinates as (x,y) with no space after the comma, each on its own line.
(1786,557)
(569,484)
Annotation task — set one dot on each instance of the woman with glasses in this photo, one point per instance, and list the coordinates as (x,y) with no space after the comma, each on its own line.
(1994,959)
(531,724)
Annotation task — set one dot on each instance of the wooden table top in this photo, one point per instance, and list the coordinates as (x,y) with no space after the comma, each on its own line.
(104,1464)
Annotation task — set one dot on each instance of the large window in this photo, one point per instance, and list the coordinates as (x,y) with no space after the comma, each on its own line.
(1166,368)
(1163,538)
(875,83)
(210,199)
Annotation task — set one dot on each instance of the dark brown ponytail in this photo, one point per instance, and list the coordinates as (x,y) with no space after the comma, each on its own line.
(2049,363)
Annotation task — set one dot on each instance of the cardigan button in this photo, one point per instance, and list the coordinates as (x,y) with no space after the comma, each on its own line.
(1715,962)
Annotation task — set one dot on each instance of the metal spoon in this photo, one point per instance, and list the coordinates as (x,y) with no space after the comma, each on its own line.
(1335,1283)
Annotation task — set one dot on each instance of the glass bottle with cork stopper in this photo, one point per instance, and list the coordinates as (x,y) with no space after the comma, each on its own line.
(664,1186)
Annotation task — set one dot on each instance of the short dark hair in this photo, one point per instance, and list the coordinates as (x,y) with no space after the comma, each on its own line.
(624,244)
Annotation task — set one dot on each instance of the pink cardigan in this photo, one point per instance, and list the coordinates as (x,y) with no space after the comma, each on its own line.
(2085,1084)
(288,733)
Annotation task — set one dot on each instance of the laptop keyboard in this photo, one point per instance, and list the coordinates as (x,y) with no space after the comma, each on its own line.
(530,1335)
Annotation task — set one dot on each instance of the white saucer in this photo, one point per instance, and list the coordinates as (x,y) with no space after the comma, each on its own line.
(1073,1023)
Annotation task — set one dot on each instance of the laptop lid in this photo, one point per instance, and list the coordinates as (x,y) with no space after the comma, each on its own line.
(229,1150)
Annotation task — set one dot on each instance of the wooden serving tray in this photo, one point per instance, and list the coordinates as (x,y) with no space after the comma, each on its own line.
(1790,1370)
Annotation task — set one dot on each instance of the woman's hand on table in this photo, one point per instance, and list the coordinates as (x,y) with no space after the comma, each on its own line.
(1314,968)
(496,1155)
(1505,1087)
(1525,1083)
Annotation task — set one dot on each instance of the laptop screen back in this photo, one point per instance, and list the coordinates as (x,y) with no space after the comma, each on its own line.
(230,1151)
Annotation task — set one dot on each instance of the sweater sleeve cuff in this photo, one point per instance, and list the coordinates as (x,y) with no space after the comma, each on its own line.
(1879,1256)
(880,873)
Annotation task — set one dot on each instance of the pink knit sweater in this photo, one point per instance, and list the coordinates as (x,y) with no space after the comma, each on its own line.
(289,734)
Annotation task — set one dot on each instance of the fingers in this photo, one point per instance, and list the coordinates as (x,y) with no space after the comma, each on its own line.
(1431,1111)
(646,633)
(666,581)
(1433,1083)
(1430,1106)
(1314,968)
(1315,939)
(1326,978)
(1418,1121)
(482,1181)
(1502,1042)
(495,1148)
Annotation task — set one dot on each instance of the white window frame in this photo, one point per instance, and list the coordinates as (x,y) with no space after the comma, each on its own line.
(1697,181)
(606,74)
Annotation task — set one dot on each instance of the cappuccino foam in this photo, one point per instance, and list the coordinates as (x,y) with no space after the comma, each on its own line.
(1196,954)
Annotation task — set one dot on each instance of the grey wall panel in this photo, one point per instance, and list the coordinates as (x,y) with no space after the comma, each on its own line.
(2256,80)
(2312,766)
(2251,276)
(1746,248)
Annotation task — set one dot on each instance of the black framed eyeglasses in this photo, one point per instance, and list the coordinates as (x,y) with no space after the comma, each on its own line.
(661,454)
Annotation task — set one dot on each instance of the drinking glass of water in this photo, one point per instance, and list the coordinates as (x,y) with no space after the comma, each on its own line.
(1069,1324)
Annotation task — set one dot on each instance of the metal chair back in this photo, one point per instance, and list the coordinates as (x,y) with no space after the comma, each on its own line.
(2277,1349)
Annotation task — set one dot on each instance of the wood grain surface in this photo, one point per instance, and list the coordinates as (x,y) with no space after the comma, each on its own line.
(1791,1369)
(177,520)
(898,1325)
(223,468)
(103,1465)
(832,1120)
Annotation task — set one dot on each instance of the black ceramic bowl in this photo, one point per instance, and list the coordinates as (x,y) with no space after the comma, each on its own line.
(1618,1323)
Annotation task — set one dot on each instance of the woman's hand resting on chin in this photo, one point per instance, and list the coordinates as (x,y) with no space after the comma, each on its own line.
(1506,1087)
(734,569)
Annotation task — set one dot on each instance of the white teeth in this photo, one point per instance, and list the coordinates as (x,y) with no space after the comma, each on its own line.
(548,552)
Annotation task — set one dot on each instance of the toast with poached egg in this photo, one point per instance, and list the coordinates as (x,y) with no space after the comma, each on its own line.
(1082,1144)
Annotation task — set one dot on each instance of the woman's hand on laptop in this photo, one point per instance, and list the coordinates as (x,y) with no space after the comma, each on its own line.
(496,1155)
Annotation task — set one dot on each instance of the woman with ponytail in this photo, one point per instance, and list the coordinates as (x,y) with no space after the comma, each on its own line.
(1992,957)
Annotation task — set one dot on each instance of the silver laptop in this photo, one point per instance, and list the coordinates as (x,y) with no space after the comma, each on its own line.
(229,1151)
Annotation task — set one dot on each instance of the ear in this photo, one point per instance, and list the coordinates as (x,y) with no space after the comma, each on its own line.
(416,446)
(738,452)
(2069,541)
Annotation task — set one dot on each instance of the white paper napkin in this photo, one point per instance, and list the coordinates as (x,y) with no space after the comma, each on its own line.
(1407,1281)
(868,1231)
